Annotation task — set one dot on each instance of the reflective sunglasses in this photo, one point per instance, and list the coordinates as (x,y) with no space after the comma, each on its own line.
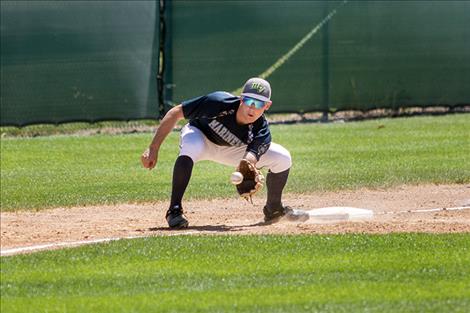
(257,103)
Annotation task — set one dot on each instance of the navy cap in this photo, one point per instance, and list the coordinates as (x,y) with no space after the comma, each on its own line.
(257,88)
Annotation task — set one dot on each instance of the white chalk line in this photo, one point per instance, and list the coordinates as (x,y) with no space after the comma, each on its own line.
(296,48)
(424,210)
(69,244)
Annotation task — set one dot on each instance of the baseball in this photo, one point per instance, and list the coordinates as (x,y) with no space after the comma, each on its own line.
(236,178)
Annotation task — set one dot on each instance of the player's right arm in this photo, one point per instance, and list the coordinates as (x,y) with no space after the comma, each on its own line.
(150,156)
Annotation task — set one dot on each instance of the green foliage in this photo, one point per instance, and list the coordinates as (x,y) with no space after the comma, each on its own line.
(103,169)
(339,273)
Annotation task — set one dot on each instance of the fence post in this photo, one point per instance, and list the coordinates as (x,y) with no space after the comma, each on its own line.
(164,74)
(325,65)
(161,58)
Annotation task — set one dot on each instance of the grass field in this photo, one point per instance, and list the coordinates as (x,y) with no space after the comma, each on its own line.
(317,273)
(82,170)
(340,273)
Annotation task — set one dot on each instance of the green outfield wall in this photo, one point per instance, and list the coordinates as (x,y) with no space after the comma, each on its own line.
(391,54)
(78,61)
(369,54)
(100,60)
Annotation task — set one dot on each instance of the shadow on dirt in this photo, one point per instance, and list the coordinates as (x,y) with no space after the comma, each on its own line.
(210,228)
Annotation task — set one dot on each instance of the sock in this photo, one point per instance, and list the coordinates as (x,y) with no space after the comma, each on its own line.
(275,182)
(181,175)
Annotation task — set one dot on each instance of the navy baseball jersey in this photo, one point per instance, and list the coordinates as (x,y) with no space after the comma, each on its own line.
(215,115)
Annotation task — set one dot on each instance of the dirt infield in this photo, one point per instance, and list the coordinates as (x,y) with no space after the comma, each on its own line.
(235,216)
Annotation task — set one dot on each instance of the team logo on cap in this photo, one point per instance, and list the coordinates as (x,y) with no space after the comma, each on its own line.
(260,88)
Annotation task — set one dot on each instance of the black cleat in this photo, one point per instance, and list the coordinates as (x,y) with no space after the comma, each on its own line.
(273,215)
(175,217)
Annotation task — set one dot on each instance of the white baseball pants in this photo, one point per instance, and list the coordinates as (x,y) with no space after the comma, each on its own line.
(194,143)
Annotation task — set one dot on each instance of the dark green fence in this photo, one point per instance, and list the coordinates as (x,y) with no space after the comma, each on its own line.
(98,60)
(78,61)
(391,54)
(218,45)
(360,55)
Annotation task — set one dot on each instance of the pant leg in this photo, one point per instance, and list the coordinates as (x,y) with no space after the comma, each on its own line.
(193,143)
(277,159)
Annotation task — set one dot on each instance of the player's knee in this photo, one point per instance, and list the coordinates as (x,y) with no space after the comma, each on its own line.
(194,151)
(192,156)
(282,160)
(192,143)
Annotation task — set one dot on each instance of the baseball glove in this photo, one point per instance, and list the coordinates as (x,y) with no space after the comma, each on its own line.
(252,180)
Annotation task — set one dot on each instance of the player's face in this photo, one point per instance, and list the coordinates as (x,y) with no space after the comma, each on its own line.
(252,109)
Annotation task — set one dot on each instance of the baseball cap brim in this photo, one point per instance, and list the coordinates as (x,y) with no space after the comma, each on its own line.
(255,96)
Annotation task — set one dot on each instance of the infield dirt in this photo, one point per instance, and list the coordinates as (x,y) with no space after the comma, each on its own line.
(236,216)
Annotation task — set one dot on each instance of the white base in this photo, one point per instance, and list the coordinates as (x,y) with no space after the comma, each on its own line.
(340,214)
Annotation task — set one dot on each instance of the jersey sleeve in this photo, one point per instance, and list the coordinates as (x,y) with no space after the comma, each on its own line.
(208,106)
(261,140)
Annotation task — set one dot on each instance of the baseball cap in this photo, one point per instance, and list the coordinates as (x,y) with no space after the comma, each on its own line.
(257,88)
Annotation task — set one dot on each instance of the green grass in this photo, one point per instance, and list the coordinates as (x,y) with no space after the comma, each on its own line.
(71,128)
(72,170)
(340,273)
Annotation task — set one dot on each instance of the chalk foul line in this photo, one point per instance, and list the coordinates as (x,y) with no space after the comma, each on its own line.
(425,210)
(69,244)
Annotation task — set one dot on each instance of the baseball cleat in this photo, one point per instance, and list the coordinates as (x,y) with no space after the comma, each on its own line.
(175,217)
(273,215)
(295,215)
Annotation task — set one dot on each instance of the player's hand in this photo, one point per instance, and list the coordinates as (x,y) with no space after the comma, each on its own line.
(149,158)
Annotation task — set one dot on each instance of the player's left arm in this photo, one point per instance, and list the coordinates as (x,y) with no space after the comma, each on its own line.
(260,144)
(252,177)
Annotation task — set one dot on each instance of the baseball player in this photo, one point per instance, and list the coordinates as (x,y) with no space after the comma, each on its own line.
(226,129)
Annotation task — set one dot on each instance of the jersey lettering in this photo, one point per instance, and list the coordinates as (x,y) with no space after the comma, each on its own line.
(225,134)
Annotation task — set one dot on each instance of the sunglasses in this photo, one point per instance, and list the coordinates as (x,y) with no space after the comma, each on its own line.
(257,103)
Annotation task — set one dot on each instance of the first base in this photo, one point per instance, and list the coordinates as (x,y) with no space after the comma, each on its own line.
(340,214)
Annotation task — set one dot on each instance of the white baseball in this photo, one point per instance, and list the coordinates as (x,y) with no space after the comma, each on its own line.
(236,178)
